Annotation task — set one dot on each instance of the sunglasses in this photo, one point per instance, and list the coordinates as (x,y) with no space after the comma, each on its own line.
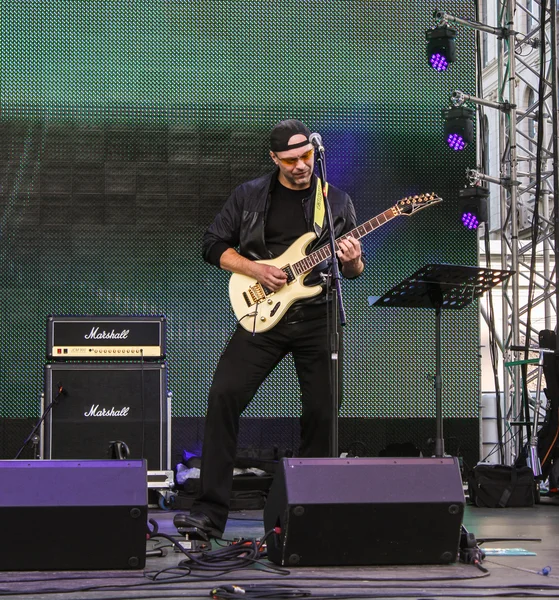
(292,161)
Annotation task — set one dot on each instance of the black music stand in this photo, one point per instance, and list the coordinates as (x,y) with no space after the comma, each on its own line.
(441,286)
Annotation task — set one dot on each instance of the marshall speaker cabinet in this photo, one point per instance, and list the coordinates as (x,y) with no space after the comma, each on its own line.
(365,511)
(63,514)
(97,407)
(106,338)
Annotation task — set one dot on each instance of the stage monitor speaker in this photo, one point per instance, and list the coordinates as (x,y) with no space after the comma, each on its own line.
(67,515)
(97,406)
(365,511)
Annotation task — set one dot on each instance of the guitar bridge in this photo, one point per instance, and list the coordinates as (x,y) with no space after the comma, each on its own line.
(256,294)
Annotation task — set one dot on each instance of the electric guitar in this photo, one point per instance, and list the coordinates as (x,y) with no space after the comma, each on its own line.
(258,309)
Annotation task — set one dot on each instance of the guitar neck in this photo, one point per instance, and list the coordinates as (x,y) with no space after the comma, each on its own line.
(314,258)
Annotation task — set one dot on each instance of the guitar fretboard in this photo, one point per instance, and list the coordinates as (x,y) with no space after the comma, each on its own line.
(314,258)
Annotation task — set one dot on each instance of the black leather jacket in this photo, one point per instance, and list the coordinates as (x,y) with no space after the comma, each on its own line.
(241,223)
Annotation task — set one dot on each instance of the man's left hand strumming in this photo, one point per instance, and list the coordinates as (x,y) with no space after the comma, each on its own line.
(349,253)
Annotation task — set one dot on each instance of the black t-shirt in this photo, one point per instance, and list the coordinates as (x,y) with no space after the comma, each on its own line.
(285,221)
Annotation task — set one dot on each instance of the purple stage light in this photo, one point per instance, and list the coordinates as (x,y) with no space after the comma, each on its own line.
(438,62)
(456,141)
(472,207)
(441,46)
(470,220)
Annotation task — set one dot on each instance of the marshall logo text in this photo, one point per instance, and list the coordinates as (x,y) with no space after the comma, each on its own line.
(95,334)
(95,411)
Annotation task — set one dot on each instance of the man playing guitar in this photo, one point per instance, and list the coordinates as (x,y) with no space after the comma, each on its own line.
(261,220)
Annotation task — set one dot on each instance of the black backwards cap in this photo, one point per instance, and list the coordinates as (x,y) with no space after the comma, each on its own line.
(282,132)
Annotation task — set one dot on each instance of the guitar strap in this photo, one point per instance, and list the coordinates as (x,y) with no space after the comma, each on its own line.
(319,208)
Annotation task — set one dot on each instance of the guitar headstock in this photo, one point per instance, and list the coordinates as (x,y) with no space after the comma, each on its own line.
(410,205)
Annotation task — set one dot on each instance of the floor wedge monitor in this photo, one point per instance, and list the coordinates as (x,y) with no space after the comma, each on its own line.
(68,515)
(110,410)
(365,511)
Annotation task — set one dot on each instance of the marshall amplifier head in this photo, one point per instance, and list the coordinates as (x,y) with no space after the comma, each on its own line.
(106,338)
(112,410)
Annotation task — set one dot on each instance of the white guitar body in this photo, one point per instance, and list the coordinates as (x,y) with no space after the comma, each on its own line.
(269,308)
(258,309)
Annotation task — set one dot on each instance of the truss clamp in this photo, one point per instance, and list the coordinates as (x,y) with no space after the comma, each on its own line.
(504,32)
(506,106)
(475,177)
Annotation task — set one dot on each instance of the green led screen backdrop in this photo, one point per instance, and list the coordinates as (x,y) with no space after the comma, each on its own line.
(125,125)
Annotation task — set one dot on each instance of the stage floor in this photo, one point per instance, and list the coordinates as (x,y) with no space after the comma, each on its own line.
(510,576)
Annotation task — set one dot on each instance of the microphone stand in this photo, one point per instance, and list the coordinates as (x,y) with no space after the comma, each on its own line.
(335,306)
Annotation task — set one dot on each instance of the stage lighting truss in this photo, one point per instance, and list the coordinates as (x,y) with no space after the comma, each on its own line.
(473,206)
(519,186)
(441,46)
(459,126)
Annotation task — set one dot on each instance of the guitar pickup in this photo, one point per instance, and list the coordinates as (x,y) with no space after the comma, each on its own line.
(289,272)
(245,296)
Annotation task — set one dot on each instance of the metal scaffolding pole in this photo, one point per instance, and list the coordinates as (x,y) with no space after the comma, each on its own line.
(527,232)
(509,206)
(554,68)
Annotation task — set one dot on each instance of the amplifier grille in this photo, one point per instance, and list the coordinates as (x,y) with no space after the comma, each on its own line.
(96,404)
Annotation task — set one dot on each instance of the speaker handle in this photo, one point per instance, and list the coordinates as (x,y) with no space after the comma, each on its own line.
(118,450)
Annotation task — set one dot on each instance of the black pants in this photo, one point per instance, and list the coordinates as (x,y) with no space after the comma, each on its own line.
(244,365)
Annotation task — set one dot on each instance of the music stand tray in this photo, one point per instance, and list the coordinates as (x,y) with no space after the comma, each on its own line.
(441,286)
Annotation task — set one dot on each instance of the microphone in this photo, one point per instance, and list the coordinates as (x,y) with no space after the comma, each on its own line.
(316,140)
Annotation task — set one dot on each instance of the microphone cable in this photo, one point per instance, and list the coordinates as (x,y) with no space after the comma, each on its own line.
(242,554)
